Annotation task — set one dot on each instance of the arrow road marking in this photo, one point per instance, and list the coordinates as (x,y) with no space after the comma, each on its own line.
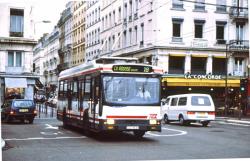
(51,127)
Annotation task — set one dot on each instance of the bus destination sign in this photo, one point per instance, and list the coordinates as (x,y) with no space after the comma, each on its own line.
(132,68)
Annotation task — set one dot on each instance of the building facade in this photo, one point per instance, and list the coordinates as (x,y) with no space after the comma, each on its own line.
(65,25)
(79,21)
(203,46)
(16,57)
(93,29)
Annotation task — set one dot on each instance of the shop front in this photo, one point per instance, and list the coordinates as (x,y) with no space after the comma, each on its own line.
(17,88)
(207,84)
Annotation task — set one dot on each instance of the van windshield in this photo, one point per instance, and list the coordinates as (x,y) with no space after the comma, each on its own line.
(200,101)
(23,103)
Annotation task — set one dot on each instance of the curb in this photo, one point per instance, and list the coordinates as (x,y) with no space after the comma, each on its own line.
(239,121)
(2,143)
(229,120)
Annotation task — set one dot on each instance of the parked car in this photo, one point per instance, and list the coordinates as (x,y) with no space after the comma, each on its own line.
(20,109)
(187,108)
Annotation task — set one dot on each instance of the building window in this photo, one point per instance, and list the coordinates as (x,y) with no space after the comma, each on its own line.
(14,59)
(220,27)
(124,39)
(239,31)
(177,30)
(238,66)
(177,4)
(199,5)
(142,34)
(16,22)
(198,28)
(130,36)
(135,34)
(221,6)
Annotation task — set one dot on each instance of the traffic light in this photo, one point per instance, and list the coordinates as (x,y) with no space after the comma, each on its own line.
(243,85)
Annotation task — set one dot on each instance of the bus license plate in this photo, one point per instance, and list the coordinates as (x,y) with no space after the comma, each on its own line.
(23,110)
(132,127)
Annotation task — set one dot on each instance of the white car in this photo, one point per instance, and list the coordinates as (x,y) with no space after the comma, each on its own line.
(187,108)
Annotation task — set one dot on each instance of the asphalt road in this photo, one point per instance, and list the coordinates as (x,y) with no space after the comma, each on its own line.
(47,140)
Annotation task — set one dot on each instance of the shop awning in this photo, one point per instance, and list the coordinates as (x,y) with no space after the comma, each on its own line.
(15,82)
(201,82)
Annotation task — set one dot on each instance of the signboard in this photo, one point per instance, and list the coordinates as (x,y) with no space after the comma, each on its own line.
(132,68)
(208,76)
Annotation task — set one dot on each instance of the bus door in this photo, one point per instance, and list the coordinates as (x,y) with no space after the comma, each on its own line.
(95,100)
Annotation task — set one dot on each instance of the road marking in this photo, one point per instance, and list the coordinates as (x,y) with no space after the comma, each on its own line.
(229,123)
(51,127)
(179,132)
(42,138)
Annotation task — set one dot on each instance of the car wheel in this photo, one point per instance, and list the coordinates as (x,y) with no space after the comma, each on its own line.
(182,121)
(205,123)
(165,119)
(31,120)
(139,134)
(9,119)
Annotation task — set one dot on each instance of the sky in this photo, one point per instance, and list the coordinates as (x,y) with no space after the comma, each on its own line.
(48,10)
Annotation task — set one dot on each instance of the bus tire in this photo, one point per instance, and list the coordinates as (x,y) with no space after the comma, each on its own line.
(65,124)
(86,124)
(139,134)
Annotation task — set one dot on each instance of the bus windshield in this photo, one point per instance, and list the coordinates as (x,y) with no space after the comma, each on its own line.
(131,90)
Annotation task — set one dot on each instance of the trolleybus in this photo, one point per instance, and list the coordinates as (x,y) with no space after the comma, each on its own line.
(111,94)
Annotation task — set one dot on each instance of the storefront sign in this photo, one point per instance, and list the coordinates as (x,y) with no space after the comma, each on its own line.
(208,76)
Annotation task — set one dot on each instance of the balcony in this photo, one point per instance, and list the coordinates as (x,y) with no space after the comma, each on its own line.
(238,14)
(14,70)
(220,41)
(239,44)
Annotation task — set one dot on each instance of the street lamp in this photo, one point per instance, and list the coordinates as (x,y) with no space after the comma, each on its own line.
(226,78)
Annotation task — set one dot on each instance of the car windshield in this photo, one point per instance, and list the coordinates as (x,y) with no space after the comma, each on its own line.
(131,90)
(23,103)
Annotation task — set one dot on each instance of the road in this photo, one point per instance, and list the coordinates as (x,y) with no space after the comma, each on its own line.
(47,140)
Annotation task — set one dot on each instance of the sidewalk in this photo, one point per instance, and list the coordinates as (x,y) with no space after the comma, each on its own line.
(243,120)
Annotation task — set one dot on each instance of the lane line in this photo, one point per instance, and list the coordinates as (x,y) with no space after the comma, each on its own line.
(42,138)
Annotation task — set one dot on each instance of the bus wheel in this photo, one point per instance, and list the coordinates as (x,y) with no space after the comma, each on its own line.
(86,124)
(139,134)
(65,125)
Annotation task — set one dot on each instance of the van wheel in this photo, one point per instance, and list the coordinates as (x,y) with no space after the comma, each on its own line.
(139,134)
(182,121)
(165,119)
(205,123)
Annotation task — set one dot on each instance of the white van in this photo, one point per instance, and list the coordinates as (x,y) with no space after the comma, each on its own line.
(187,108)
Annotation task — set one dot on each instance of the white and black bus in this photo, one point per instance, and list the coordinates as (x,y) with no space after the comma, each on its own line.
(111,94)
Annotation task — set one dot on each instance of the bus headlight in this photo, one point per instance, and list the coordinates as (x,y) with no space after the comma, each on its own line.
(110,121)
(152,122)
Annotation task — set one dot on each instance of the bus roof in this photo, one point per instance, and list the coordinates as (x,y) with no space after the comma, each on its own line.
(104,64)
